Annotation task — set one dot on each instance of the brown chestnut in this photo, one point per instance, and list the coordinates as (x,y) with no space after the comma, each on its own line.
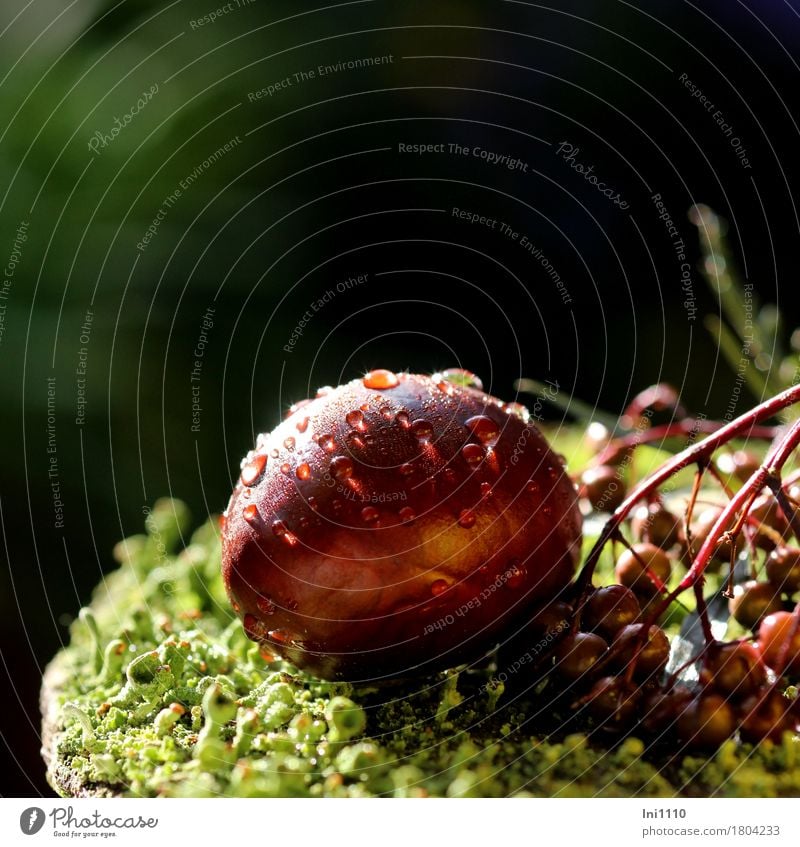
(397,524)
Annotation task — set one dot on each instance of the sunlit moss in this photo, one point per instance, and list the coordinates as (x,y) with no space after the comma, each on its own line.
(160,693)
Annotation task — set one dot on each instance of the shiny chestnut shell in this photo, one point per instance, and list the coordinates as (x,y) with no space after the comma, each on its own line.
(397,524)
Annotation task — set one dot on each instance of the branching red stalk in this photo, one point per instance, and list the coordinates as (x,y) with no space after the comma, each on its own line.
(785,504)
(696,453)
(659,397)
(688,426)
(741,502)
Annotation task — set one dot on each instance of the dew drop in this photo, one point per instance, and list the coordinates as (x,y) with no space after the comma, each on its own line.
(327,443)
(355,419)
(251,472)
(312,503)
(279,636)
(265,606)
(438,587)
(266,655)
(354,441)
(370,514)
(302,425)
(547,510)
(254,629)
(303,471)
(515,575)
(324,391)
(336,504)
(483,428)
(285,468)
(406,469)
(402,420)
(446,387)
(407,514)
(466,519)
(289,443)
(422,430)
(493,460)
(450,476)
(473,454)
(486,489)
(380,379)
(386,412)
(342,467)
(251,515)
(518,411)
(295,407)
(279,529)
(274,453)
(532,487)
(467,379)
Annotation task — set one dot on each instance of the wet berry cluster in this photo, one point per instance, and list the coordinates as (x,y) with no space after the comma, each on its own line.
(608,668)
(617,654)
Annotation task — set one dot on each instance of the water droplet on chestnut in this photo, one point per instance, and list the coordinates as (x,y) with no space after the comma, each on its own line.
(370,514)
(422,430)
(327,443)
(466,518)
(483,428)
(342,467)
(251,472)
(473,454)
(355,419)
(380,380)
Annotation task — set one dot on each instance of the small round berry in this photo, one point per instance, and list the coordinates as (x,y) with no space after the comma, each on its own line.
(765,717)
(602,487)
(779,642)
(733,669)
(552,620)
(597,439)
(766,517)
(651,659)
(656,524)
(613,702)
(701,529)
(783,569)
(609,609)
(636,567)
(753,601)
(660,709)
(577,654)
(740,465)
(706,721)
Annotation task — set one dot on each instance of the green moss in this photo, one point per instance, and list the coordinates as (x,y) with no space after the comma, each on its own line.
(162,694)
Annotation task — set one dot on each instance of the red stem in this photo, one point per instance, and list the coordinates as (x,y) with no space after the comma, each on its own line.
(673,430)
(743,499)
(695,453)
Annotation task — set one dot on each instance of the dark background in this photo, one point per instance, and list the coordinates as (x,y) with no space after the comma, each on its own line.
(317,192)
